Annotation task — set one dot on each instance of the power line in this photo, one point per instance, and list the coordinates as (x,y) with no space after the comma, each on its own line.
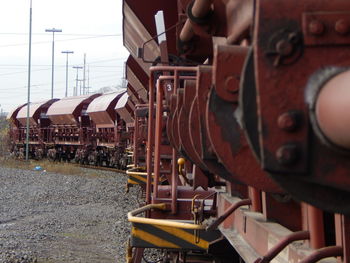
(65,34)
(62,40)
(109,76)
(47,65)
(21,72)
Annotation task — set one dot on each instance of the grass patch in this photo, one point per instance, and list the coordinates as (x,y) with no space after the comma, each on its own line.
(52,167)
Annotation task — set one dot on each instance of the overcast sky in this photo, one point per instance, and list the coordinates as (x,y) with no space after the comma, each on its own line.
(88,26)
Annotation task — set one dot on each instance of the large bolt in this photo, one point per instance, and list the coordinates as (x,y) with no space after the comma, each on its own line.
(316,27)
(287,154)
(232,84)
(284,47)
(288,121)
(342,26)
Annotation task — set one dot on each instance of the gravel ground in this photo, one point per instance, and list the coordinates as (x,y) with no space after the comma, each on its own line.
(46,217)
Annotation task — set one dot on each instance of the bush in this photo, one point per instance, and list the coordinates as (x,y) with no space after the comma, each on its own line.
(4,136)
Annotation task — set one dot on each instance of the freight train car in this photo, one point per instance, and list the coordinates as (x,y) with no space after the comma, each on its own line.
(85,129)
(247,107)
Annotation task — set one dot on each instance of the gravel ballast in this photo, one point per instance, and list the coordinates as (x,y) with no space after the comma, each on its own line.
(47,217)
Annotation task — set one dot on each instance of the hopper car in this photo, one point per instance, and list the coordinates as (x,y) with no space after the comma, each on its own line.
(92,129)
(241,107)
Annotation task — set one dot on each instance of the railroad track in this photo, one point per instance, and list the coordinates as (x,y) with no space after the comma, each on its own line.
(101,168)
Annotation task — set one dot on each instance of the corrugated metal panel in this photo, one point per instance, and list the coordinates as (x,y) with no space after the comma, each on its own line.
(101,103)
(67,110)
(121,109)
(136,84)
(101,110)
(145,13)
(13,114)
(34,111)
(135,34)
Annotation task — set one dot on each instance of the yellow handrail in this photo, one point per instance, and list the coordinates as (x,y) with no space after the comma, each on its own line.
(160,222)
(133,171)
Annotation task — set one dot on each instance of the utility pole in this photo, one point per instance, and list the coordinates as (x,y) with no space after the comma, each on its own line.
(67,52)
(84,74)
(80,86)
(53,31)
(29,72)
(88,88)
(76,79)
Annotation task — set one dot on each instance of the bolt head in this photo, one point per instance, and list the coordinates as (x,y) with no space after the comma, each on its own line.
(232,84)
(342,26)
(287,154)
(284,47)
(316,27)
(287,121)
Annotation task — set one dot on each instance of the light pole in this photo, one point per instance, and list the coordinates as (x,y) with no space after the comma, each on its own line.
(67,52)
(53,30)
(29,72)
(77,78)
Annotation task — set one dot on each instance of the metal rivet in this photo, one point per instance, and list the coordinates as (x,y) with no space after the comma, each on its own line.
(342,26)
(232,84)
(287,154)
(288,121)
(316,27)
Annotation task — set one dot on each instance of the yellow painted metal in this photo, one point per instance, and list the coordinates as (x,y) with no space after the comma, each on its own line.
(128,252)
(155,240)
(159,222)
(134,171)
(184,235)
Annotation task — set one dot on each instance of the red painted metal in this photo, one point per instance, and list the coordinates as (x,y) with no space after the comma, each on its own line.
(272,253)
(322,253)
(36,108)
(228,212)
(227,78)
(184,125)
(68,110)
(204,80)
(151,121)
(316,226)
(101,109)
(255,197)
(283,45)
(122,108)
(281,208)
(145,13)
(342,230)
(226,136)
(12,116)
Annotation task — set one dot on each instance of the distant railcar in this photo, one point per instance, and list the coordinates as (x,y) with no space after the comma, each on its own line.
(75,129)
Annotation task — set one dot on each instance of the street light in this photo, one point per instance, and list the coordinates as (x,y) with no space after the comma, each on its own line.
(67,52)
(77,78)
(53,30)
(29,74)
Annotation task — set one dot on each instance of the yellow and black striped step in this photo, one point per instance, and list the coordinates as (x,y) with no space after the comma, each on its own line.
(155,236)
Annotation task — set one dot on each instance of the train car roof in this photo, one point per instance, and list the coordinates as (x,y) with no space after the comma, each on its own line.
(34,111)
(101,110)
(68,109)
(123,108)
(102,103)
(13,114)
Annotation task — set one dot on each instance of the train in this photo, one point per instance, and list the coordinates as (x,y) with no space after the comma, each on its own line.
(95,129)
(240,137)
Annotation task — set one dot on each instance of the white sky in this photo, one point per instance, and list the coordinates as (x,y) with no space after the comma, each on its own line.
(88,26)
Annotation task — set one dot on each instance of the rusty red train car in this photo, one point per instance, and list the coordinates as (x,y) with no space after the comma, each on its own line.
(246,153)
(91,129)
